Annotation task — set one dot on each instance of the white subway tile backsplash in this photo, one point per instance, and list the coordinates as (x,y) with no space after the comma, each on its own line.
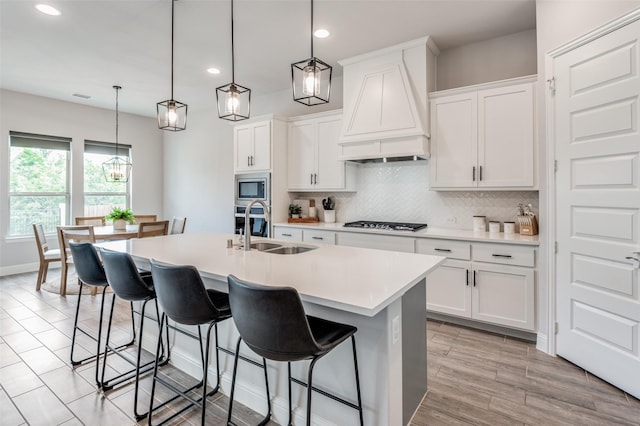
(400,192)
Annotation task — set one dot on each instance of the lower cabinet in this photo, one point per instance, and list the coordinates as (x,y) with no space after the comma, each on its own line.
(493,283)
(287,234)
(376,241)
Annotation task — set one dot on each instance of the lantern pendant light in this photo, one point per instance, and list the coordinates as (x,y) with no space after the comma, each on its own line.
(117,169)
(172,114)
(311,78)
(234,100)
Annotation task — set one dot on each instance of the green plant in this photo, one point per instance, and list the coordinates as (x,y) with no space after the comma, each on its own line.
(118,213)
(294,209)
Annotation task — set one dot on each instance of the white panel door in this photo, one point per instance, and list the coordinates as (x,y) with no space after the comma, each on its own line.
(261,146)
(330,169)
(448,288)
(301,154)
(598,206)
(243,148)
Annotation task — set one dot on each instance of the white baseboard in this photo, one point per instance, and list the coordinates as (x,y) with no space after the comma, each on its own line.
(542,343)
(19,269)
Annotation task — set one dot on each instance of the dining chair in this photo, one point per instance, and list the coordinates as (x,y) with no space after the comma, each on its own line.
(177,225)
(153,229)
(46,254)
(78,233)
(90,220)
(142,218)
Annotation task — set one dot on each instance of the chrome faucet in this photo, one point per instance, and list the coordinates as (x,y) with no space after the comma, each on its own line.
(247,223)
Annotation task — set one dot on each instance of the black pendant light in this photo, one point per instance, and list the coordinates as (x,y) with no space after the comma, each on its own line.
(311,78)
(117,169)
(172,114)
(234,101)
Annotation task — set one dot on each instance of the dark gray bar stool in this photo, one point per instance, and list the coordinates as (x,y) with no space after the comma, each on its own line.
(184,299)
(90,273)
(273,323)
(128,284)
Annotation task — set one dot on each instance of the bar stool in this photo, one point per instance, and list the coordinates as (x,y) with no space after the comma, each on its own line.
(128,284)
(90,273)
(184,299)
(272,322)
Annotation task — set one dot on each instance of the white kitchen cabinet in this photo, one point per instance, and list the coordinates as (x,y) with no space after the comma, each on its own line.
(497,286)
(252,147)
(287,234)
(482,137)
(315,236)
(314,155)
(376,241)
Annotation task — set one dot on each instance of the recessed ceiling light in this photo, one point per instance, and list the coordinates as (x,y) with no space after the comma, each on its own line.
(213,71)
(321,33)
(48,10)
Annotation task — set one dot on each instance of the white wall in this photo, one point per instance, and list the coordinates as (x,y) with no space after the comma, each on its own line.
(513,55)
(558,22)
(33,114)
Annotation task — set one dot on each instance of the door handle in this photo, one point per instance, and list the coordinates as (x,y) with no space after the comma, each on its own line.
(248,160)
(287,235)
(318,238)
(505,256)
(310,178)
(480,173)
(443,250)
(474,278)
(473,173)
(467,278)
(315,178)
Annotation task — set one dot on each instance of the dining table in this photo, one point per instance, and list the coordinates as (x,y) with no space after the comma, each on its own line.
(108,233)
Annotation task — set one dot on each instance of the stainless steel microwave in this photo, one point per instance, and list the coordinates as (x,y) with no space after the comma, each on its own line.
(253,186)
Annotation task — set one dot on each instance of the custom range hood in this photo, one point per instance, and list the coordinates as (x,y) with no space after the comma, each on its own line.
(386,115)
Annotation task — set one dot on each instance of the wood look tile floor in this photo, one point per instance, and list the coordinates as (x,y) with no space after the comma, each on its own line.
(474,378)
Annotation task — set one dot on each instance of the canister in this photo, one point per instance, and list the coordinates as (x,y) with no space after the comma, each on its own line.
(509,227)
(479,224)
(494,227)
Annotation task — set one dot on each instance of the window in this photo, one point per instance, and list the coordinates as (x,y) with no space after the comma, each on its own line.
(101,196)
(38,182)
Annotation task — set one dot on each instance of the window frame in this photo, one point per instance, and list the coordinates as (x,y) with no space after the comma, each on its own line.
(31,140)
(107,148)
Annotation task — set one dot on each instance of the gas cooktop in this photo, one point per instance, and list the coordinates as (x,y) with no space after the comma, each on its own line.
(389,226)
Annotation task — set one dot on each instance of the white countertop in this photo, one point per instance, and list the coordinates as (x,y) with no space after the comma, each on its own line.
(358,280)
(444,233)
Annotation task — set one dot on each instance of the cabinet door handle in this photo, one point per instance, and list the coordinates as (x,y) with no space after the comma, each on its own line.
(310,178)
(248,160)
(253,161)
(318,238)
(315,178)
(443,250)
(287,235)
(505,256)
(467,278)
(474,278)
(480,173)
(473,173)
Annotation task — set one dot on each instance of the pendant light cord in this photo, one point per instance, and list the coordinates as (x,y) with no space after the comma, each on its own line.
(117,89)
(311,29)
(233,75)
(172,8)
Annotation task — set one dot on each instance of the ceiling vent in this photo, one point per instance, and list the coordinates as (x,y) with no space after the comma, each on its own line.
(385,102)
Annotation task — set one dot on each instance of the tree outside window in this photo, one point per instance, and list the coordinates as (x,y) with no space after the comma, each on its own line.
(38,182)
(101,196)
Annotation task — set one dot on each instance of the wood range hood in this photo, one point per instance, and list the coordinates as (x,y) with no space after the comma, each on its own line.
(386,116)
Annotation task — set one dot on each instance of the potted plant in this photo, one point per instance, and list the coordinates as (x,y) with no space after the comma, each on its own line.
(120,217)
(295,210)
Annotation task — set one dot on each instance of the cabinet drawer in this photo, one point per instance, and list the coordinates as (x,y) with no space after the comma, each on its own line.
(374,241)
(318,237)
(451,249)
(504,254)
(287,234)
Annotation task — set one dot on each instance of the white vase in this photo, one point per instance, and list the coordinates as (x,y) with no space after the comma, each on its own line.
(120,224)
(330,216)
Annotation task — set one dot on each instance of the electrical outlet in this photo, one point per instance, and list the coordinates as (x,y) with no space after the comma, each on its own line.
(451,220)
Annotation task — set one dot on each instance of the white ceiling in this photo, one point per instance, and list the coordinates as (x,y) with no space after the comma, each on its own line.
(98,43)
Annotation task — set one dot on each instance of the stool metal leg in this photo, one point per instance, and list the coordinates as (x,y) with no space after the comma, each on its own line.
(310,389)
(355,365)
(290,403)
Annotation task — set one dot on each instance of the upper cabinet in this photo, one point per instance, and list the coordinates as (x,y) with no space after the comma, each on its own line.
(314,154)
(252,147)
(483,136)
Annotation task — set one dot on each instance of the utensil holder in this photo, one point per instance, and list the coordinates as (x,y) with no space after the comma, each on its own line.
(528,225)
(330,216)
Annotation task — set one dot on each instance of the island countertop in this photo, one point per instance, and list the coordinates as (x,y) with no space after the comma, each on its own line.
(357,280)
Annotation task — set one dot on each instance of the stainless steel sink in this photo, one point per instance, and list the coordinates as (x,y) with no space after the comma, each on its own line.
(290,250)
(262,246)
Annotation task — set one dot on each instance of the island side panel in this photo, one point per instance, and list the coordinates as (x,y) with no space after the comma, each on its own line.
(414,350)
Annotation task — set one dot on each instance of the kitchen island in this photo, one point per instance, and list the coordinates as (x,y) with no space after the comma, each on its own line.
(381,293)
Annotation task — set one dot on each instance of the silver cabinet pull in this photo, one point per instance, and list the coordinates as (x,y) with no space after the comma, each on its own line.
(473,175)
(248,160)
(480,173)
(474,278)
(443,250)
(310,178)
(287,235)
(467,278)
(318,238)
(505,256)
